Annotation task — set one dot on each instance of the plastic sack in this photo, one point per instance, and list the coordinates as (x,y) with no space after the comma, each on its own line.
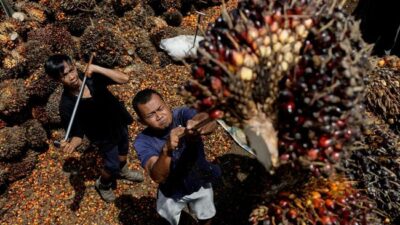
(181,47)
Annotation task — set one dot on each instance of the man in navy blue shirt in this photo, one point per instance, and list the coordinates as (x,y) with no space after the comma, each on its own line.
(172,153)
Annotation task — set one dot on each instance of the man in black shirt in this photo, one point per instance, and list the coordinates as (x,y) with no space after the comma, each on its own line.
(100,116)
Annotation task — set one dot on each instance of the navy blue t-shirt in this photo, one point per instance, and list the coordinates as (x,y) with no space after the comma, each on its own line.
(189,168)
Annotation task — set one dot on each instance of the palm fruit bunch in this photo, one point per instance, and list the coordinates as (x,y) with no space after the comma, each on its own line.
(76,24)
(23,167)
(35,134)
(52,106)
(109,47)
(13,96)
(382,85)
(245,54)
(375,165)
(319,102)
(321,201)
(298,64)
(121,6)
(76,6)
(58,38)
(3,178)
(75,15)
(171,10)
(37,53)
(33,10)
(12,142)
(39,85)
(12,52)
(9,30)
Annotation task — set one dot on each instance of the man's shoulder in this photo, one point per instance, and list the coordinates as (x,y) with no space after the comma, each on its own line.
(144,137)
(184,111)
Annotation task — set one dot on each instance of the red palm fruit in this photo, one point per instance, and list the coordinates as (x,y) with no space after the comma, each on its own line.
(325,141)
(216,114)
(216,83)
(312,154)
(326,220)
(284,157)
(207,102)
(292,214)
(315,195)
(330,204)
(199,72)
(317,203)
(283,203)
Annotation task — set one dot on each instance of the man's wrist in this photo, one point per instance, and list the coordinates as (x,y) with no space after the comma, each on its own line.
(166,151)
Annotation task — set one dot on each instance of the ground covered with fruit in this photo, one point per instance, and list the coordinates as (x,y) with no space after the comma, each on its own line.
(297,70)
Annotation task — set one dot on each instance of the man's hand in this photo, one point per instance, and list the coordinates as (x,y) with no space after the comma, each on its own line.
(67,147)
(173,140)
(70,146)
(91,69)
(198,118)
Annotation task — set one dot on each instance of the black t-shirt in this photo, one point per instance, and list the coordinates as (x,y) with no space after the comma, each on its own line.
(101,117)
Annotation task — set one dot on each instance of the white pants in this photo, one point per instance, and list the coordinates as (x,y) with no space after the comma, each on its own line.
(201,203)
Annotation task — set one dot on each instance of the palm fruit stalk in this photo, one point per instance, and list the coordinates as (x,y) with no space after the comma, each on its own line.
(321,201)
(319,103)
(375,165)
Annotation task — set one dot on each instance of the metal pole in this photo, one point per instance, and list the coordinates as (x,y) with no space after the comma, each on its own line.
(7,8)
(71,121)
(197,26)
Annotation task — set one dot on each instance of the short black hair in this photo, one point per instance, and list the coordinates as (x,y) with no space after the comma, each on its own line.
(142,97)
(54,65)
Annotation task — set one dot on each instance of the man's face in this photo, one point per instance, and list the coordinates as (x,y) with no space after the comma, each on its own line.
(70,76)
(155,113)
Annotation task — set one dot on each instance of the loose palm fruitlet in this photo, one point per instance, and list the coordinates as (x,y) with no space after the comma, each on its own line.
(320,100)
(375,165)
(321,201)
(244,55)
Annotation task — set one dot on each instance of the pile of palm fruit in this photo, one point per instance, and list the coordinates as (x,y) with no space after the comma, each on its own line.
(119,31)
(302,68)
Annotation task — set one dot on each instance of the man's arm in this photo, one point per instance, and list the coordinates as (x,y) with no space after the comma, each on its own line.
(158,166)
(114,75)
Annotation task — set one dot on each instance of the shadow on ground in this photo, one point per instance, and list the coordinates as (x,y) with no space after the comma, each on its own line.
(80,170)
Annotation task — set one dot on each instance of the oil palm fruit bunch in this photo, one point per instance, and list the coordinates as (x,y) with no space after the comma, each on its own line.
(319,102)
(12,142)
(58,38)
(13,97)
(375,165)
(382,95)
(39,85)
(109,47)
(296,65)
(321,201)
